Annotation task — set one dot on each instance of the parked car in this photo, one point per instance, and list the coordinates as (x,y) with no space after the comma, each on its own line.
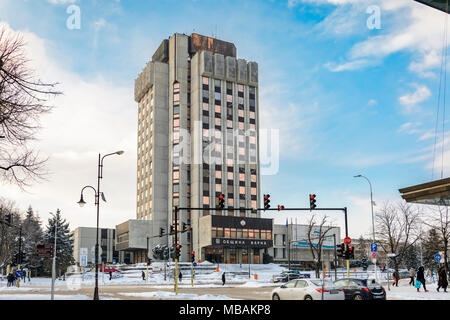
(290,275)
(108,269)
(361,289)
(307,289)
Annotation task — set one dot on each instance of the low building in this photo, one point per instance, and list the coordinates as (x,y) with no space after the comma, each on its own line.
(299,251)
(84,245)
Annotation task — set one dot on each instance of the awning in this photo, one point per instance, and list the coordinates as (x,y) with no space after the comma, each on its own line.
(435,193)
(437,4)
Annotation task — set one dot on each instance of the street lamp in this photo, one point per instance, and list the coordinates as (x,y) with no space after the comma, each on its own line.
(97,203)
(373,221)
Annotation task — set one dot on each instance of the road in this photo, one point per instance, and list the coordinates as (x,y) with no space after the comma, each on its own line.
(113,292)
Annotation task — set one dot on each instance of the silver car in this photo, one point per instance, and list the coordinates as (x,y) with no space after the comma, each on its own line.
(308,289)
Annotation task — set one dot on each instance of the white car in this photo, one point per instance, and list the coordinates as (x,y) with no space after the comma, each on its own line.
(308,289)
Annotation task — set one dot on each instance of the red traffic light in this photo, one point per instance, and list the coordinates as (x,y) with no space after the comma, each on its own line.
(267,196)
(193,253)
(312,196)
(280,207)
(221,196)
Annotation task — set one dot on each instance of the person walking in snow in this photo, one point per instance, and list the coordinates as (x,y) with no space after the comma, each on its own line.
(10,279)
(180,276)
(223,278)
(421,278)
(143,275)
(110,275)
(396,278)
(412,274)
(442,282)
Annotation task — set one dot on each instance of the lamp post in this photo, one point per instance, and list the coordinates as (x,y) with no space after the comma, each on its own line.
(97,203)
(373,221)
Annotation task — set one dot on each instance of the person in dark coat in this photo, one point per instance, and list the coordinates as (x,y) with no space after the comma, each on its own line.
(442,282)
(180,277)
(421,277)
(110,275)
(223,278)
(10,279)
(143,275)
(396,278)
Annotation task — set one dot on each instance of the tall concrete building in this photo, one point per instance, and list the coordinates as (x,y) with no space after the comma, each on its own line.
(197,139)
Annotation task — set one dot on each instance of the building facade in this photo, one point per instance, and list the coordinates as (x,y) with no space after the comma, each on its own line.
(84,245)
(299,251)
(198,138)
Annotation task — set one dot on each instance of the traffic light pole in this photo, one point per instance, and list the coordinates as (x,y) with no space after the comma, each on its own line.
(176,250)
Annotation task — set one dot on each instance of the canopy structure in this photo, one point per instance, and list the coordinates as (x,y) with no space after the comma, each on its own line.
(437,4)
(435,193)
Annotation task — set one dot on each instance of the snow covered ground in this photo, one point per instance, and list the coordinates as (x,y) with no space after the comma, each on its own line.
(207,275)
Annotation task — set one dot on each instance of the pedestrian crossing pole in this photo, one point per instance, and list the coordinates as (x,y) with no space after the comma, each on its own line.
(176,250)
(192,273)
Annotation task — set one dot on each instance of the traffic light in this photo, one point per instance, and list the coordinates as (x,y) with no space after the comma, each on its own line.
(149,261)
(193,256)
(312,201)
(221,201)
(351,253)
(161,232)
(280,207)
(266,201)
(184,227)
(178,251)
(340,250)
(172,252)
(8,219)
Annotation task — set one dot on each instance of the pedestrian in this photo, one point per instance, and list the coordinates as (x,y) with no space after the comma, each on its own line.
(143,275)
(10,279)
(412,274)
(110,275)
(396,278)
(14,279)
(24,275)
(442,282)
(421,278)
(180,276)
(223,278)
(29,275)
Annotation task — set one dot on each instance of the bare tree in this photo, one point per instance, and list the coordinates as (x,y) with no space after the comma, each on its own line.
(317,234)
(397,228)
(23,99)
(439,219)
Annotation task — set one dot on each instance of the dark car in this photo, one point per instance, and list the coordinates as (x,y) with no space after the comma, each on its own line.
(361,289)
(290,275)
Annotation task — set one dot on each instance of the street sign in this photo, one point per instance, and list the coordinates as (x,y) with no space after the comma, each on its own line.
(373,247)
(195,264)
(437,257)
(44,250)
(347,240)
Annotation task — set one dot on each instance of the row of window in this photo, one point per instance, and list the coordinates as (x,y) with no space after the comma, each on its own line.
(234,233)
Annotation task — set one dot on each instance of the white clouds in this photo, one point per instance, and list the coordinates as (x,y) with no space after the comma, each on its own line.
(349,66)
(409,128)
(61,1)
(93,116)
(372,102)
(407,26)
(410,101)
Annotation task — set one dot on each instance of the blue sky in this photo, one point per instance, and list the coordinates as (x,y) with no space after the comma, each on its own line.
(347,100)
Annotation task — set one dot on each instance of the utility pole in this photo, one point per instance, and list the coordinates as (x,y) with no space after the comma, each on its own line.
(176,250)
(54,263)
